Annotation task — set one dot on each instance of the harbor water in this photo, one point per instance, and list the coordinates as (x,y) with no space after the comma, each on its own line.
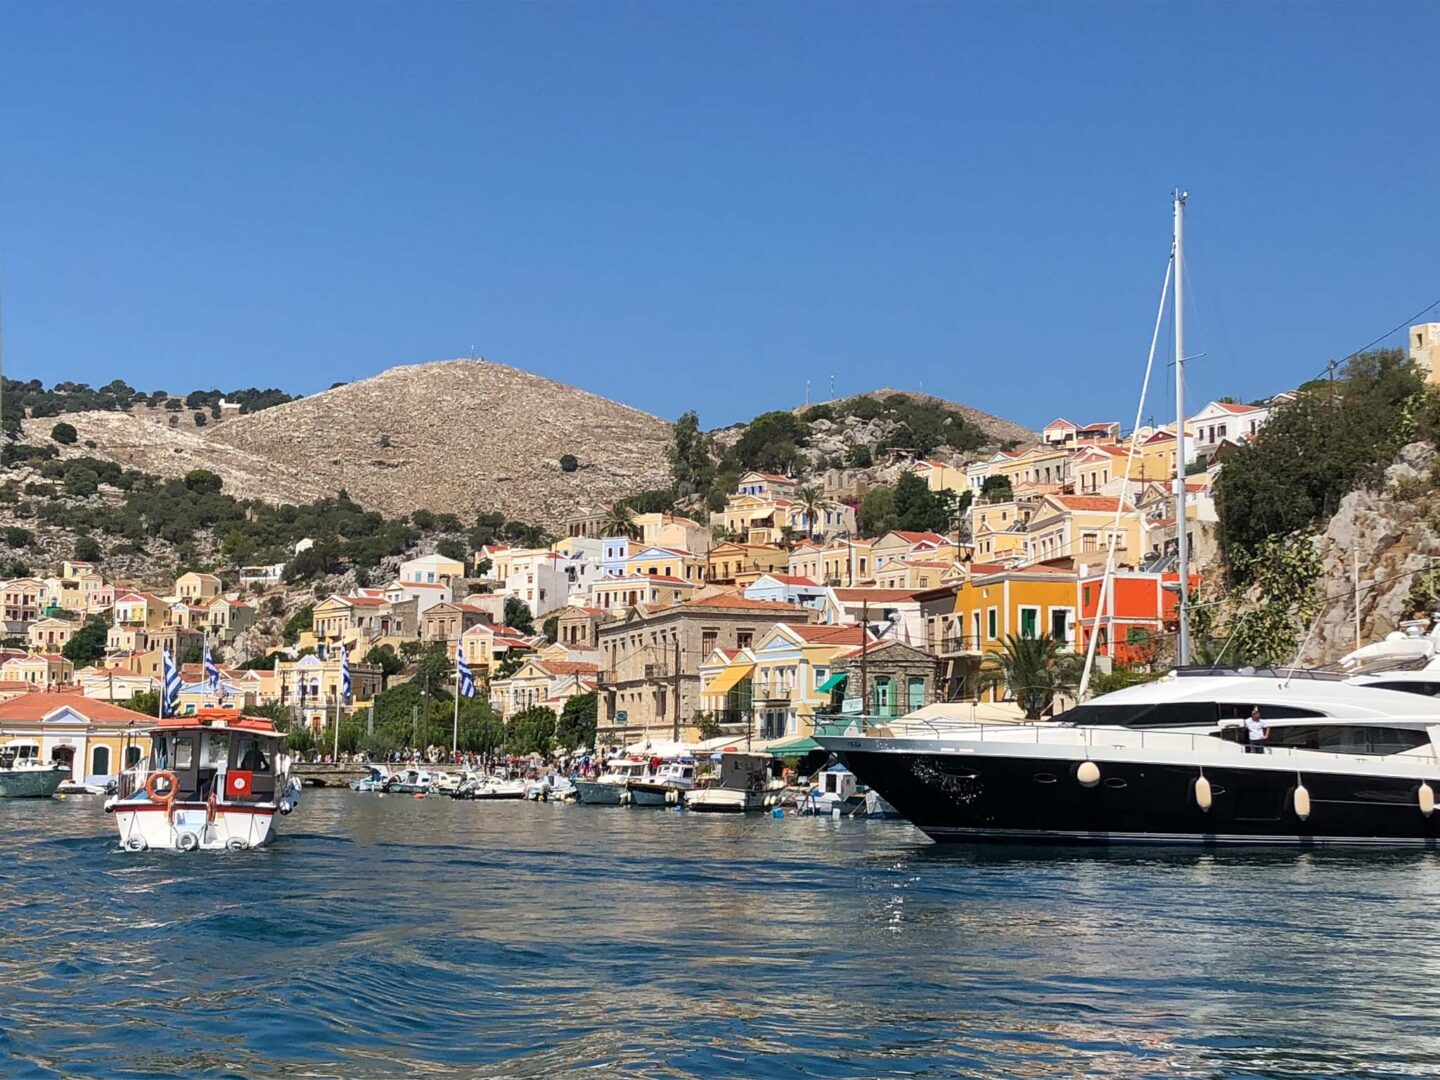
(410,937)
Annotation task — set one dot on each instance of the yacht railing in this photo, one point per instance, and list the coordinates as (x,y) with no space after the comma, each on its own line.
(1102,738)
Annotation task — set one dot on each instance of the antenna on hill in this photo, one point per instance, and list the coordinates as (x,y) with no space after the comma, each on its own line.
(807,391)
(832,387)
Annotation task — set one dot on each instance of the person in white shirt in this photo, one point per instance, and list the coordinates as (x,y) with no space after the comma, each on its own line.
(1258,732)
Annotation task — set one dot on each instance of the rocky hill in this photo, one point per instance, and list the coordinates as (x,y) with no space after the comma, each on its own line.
(997,428)
(453,436)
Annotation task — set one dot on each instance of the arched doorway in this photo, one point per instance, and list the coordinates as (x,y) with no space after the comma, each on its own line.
(100,761)
(64,755)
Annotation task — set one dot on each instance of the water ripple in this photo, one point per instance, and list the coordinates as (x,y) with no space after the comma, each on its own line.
(430,938)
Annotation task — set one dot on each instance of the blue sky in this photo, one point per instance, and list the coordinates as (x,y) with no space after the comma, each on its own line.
(704,205)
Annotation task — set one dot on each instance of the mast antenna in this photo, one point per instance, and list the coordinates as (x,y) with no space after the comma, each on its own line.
(1182,539)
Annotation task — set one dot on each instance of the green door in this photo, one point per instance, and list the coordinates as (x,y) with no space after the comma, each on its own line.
(917,694)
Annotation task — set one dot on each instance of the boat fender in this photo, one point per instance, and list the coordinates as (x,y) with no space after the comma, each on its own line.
(1088,774)
(1204,798)
(236,844)
(777,813)
(1427,799)
(286,806)
(625,798)
(135,843)
(1302,802)
(188,841)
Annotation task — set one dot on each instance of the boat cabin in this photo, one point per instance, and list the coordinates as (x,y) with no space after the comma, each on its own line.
(627,769)
(675,770)
(838,781)
(214,746)
(20,754)
(744,772)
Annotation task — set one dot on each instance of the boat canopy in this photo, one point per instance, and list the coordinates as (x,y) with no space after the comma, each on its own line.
(792,747)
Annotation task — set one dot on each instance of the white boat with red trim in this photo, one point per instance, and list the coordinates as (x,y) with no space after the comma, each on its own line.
(214,781)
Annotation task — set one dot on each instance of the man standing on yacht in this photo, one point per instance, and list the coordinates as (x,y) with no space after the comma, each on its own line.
(1258,732)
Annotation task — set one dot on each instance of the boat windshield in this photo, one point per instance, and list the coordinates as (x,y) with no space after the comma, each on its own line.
(1175,713)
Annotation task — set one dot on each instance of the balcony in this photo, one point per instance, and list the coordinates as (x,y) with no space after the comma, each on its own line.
(659,671)
(958,645)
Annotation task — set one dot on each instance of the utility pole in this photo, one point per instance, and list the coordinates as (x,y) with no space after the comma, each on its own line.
(864,652)
(1181,524)
(1333,365)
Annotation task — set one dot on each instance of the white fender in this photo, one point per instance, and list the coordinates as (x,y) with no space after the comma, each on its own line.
(236,844)
(1088,773)
(1204,798)
(1427,799)
(1302,802)
(188,841)
(135,843)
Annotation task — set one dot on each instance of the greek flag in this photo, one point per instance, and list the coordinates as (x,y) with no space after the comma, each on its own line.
(346,687)
(169,685)
(212,673)
(464,684)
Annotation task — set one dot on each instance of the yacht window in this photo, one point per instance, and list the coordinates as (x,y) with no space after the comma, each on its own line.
(1240,710)
(1148,714)
(184,750)
(1429,689)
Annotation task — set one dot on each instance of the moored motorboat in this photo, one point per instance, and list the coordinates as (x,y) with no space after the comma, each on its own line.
(743,784)
(837,791)
(498,787)
(215,780)
(24,776)
(551,788)
(409,781)
(612,787)
(379,776)
(1170,762)
(666,786)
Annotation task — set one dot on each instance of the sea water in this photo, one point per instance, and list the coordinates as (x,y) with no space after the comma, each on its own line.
(425,937)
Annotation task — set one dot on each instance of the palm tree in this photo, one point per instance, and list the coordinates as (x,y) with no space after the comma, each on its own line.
(617,521)
(1034,670)
(811,499)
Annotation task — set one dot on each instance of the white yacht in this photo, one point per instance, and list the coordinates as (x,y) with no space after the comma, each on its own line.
(1169,761)
(665,787)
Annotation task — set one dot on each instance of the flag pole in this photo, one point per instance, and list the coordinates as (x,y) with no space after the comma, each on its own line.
(335,756)
(455,726)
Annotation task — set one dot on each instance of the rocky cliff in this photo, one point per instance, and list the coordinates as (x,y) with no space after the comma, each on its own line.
(1390,531)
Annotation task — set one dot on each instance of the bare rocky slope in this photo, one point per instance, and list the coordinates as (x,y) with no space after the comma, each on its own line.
(454,436)
(1000,430)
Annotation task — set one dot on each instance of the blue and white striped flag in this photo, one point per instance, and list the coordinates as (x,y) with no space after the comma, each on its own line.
(212,673)
(346,687)
(464,684)
(169,685)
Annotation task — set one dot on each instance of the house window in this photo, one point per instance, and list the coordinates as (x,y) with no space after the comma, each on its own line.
(744,638)
(1029,622)
(1060,624)
(992,620)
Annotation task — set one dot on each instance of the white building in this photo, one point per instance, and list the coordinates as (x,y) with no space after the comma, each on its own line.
(432,570)
(425,594)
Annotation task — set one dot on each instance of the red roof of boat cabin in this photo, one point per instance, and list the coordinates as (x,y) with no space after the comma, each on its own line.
(233,720)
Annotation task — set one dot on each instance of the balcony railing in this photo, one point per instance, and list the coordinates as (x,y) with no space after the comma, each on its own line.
(959,645)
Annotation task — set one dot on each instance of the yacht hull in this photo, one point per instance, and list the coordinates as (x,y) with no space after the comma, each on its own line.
(975,797)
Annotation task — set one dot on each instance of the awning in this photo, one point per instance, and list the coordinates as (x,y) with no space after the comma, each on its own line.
(728,679)
(793,747)
(832,682)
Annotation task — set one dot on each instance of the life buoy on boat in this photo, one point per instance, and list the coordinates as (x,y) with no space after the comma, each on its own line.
(1427,799)
(172,782)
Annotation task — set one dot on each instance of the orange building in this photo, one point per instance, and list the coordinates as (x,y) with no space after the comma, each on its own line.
(1140,611)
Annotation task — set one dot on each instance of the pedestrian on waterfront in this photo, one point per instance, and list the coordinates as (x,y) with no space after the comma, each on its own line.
(1257,731)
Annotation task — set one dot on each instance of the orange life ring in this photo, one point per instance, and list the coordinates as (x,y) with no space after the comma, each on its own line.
(174,784)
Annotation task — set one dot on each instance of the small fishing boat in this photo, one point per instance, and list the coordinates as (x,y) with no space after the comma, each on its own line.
(24,776)
(836,791)
(665,787)
(409,782)
(379,776)
(612,787)
(551,788)
(498,787)
(215,780)
(744,781)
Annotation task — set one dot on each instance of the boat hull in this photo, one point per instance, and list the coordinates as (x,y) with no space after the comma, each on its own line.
(31,783)
(655,795)
(147,827)
(724,801)
(594,793)
(975,797)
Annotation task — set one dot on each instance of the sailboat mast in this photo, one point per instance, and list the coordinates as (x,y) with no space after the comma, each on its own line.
(1182,647)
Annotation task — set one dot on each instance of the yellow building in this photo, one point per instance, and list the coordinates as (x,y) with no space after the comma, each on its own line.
(791,664)
(196,588)
(744,564)
(39,669)
(95,738)
(666,562)
(940,475)
(311,687)
(1084,526)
